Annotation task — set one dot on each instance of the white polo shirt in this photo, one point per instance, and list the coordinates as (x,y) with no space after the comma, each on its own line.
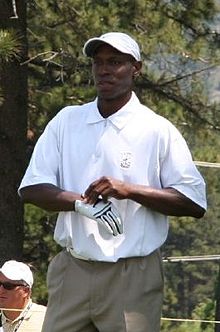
(134,145)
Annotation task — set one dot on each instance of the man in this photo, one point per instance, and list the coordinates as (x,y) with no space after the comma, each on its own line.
(114,170)
(16,280)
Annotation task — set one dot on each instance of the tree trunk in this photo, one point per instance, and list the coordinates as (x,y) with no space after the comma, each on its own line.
(13,126)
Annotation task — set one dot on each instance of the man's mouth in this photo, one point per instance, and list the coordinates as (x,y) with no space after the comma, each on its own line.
(104,84)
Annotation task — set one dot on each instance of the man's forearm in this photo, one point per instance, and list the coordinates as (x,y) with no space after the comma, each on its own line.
(166,201)
(49,197)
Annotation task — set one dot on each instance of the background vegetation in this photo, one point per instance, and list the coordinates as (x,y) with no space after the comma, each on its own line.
(42,40)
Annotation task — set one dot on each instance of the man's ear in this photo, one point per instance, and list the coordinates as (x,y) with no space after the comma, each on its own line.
(137,65)
(27,292)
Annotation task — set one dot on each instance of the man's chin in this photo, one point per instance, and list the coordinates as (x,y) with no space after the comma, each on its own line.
(106,94)
(3,303)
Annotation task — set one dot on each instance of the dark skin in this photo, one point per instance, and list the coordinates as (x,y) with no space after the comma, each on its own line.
(113,74)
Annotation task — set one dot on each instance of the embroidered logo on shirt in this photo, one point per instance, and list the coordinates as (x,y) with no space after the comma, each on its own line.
(125,159)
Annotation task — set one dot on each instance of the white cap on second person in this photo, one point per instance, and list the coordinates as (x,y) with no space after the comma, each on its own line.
(18,271)
(119,40)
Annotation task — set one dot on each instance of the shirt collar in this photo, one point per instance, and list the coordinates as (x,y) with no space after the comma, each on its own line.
(118,119)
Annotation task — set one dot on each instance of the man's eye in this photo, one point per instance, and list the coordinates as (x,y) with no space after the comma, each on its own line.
(115,62)
(96,62)
(110,62)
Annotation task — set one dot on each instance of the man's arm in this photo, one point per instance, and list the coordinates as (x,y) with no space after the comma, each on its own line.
(167,201)
(52,198)
(49,197)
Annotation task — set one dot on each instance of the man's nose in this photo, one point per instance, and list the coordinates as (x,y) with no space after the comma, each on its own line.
(103,68)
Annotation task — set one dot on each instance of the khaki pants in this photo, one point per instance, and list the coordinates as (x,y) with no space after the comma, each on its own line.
(87,296)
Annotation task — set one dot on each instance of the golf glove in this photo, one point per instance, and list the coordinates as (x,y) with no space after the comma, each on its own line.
(104,213)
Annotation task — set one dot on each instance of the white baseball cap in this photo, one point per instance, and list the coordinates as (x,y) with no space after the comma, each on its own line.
(14,270)
(121,41)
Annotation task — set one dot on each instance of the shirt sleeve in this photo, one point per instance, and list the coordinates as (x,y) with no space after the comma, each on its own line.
(44,163)
(179,171)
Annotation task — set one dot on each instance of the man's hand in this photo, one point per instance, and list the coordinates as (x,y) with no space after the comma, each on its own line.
(106,187)
(104,213)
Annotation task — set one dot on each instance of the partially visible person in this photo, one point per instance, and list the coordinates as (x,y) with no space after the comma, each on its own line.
(16,280)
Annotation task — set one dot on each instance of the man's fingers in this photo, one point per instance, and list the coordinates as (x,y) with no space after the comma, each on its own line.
(98,188)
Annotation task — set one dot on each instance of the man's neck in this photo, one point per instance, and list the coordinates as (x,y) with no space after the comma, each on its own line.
(12,315)
(108,107)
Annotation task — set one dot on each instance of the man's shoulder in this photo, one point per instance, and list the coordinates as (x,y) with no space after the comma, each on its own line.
(33,320)
(75,109)
(149,114)
(72,114)
(36,311)
(38,307)
(145,117)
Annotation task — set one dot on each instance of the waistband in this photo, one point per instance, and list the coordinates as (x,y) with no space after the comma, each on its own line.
(75,255)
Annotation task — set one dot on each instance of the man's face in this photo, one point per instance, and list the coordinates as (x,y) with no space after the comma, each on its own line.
(113,72)
(14,298)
